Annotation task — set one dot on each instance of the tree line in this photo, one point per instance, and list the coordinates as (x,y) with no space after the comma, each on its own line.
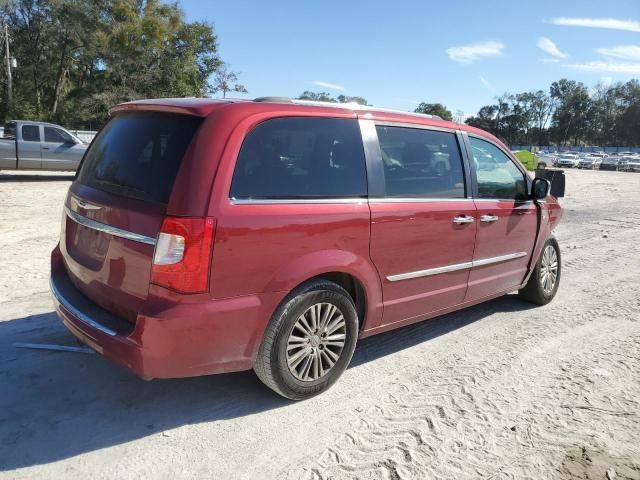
(569,113)
(76,58)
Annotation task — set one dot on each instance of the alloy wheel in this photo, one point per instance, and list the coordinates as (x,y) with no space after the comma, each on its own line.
(316,342)
(549,269)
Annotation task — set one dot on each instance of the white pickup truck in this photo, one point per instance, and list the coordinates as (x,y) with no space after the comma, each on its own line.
(39,146)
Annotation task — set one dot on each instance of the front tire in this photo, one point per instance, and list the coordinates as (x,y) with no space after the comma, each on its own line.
(309,341)
(545,279)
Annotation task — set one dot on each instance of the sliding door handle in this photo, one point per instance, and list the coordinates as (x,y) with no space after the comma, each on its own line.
(462,219)
(488,218)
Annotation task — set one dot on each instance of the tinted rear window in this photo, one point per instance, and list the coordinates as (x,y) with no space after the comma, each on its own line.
(31,133)
(10,130)
(137,155)
(289,158)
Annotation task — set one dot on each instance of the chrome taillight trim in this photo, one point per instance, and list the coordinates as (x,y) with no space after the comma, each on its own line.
(455,267)
(102,227)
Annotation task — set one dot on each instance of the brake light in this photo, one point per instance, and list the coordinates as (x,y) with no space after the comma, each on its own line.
(182,256)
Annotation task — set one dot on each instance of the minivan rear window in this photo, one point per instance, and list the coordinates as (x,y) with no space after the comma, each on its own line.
(301,158)
(138,154)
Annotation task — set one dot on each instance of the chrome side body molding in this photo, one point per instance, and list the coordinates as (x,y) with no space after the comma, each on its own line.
(455,267)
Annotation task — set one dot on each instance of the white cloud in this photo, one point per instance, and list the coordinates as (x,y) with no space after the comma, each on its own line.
(546,45)
(601,66)
(487,84)
(623,52)
(468,53)
(331,86)
(606,81)
(549,60)
(610,23)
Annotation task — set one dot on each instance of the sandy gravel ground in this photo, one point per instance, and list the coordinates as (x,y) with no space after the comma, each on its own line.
(501,390)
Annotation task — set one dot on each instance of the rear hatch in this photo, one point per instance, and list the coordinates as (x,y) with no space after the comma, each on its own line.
(116,206)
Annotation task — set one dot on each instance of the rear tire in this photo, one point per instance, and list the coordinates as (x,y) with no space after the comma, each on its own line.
(309,341)
(545,279)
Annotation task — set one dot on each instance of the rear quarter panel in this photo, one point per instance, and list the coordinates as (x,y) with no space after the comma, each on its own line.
(263,248)
(7,153)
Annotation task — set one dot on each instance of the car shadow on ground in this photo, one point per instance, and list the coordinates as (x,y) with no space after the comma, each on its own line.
(36,178)
(56,405)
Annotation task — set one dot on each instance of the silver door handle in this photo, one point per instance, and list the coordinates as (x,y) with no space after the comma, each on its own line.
(488,218)
(461,220)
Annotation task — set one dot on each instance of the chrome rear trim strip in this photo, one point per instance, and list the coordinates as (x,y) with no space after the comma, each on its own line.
(102,227)
(77,313)
(455,267)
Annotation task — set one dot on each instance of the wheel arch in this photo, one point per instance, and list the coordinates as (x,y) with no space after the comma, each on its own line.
(346,269)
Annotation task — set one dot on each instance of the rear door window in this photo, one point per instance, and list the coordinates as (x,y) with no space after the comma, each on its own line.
(137,155)
(420,163)
(10,130)
(30,133)
(300,158)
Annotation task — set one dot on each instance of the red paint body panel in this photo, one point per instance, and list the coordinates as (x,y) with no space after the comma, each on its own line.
(514,231)
(178,335)
(410,236)
(112,271)
(263,251)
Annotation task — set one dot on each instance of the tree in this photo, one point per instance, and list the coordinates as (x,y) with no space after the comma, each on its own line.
(316,96)
(77,58)
(569,113)
(326,97)
(435,109)
(348,99)
(570,120)
(227,81)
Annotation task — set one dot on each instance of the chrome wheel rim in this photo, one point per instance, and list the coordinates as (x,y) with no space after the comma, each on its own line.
(549,269)
(316,342)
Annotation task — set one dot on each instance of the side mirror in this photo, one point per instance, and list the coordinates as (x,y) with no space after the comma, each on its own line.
(540,188)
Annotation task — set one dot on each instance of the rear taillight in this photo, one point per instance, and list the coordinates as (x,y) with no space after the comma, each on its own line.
(182,257)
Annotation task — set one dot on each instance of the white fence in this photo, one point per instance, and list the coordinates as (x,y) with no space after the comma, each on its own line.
(84,135)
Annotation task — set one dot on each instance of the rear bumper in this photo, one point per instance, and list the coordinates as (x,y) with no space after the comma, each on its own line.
(175,337)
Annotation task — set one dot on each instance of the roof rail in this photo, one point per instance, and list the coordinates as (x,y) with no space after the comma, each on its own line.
(273,99)
(347,106)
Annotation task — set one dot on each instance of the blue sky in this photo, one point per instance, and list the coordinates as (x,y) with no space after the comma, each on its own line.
(399,53)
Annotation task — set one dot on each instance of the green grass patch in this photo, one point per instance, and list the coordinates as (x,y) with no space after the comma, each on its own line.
(528,159)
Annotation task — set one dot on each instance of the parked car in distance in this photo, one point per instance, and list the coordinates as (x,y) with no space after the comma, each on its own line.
(567,160)
(610,163)
(39,146)
(630,164)
(203,236)
(592,161)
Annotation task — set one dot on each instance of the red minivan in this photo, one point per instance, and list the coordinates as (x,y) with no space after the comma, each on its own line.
(204,236)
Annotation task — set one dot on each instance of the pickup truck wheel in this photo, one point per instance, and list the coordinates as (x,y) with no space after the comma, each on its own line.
(309,341)
(543,282)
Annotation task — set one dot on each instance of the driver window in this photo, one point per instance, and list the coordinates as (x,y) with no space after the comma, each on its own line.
(55,135)
(496,174)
